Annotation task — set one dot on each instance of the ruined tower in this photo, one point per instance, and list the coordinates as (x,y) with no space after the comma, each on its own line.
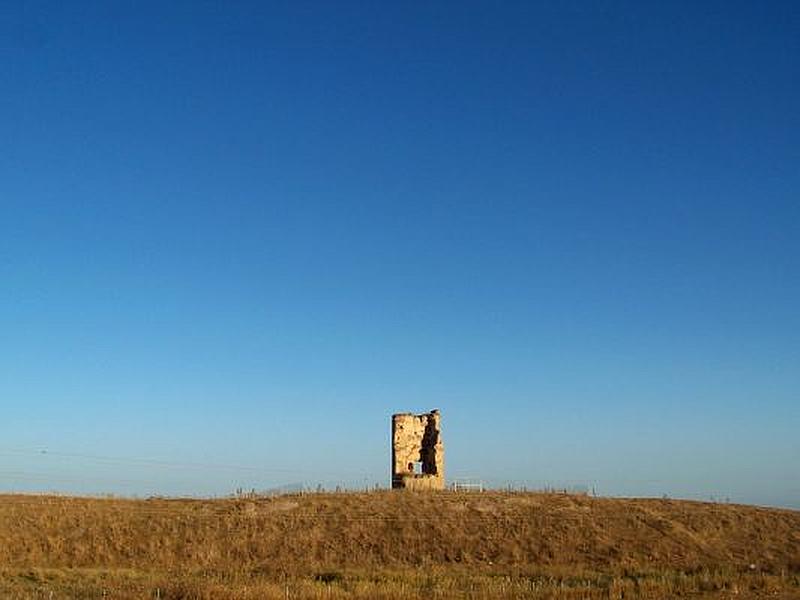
(417,451)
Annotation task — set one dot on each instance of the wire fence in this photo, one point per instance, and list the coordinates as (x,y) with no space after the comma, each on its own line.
(98,475)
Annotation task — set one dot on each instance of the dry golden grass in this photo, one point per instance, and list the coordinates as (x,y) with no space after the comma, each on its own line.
(395,545)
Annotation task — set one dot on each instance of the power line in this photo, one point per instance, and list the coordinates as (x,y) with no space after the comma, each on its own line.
(160,463)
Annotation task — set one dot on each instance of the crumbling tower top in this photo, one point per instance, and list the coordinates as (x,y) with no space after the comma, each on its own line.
(417,451)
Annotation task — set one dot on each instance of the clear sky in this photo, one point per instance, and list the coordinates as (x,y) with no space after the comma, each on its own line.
(235,237)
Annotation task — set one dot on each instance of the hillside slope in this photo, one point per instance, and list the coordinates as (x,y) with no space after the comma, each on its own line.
(493,533)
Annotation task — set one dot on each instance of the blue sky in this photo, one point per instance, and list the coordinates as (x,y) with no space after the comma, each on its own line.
(235,237)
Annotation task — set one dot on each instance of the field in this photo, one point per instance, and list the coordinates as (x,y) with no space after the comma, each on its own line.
(395,545)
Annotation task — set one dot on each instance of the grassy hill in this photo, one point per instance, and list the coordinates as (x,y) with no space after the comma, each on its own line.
(395,545)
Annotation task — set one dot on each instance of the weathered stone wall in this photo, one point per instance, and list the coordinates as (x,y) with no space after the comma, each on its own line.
(417,439)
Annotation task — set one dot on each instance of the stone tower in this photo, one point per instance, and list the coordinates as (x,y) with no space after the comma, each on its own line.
(417,451)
